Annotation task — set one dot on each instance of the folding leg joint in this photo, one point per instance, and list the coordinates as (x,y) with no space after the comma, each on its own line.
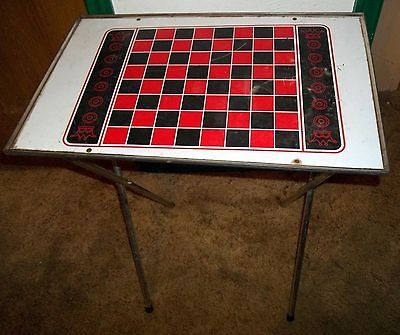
(312,184)
(130,185)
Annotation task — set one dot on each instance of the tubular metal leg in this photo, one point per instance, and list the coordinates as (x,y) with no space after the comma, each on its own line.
(132,240)
(301,243)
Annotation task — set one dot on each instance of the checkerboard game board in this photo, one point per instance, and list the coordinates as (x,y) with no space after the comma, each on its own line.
(229,87)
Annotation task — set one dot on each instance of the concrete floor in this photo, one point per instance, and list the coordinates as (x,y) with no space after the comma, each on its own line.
(220,262)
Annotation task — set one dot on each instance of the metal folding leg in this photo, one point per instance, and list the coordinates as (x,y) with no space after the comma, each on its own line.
(308,191)
(132,240)
(122,184)
(301,244)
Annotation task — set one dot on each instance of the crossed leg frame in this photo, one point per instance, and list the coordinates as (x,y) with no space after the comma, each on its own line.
(122,184)
(307,191)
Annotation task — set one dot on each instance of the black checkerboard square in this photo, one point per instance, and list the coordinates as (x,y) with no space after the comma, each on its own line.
(262,120)
(197,72)
(121,118)
(264,87)
(162,45)
(242,44)
(287,139)
(239,103)
(201,45)
(140,136)
(146,34)
(221,57)
(214,120)
(147,102)
(218,86)
(167,119)
(130,86)
(179,58)
(263,57)
(223,33)
(184,33)
(284,44)
(241,72)
(285,72)
(263,32)
(173,86)
(155,71)
(237,138)
(285,103)
(188,137)
(193,102)
(138,58)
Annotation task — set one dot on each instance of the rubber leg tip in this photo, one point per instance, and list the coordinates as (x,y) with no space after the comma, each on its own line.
(149,309)
(289,317)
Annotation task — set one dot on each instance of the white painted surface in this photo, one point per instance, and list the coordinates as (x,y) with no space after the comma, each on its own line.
(241,6)
(45,126)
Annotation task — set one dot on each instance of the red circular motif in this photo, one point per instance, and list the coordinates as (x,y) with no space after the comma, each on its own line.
(315,57)
(313,44)
(106,72)
(316,72)
(118,37)
(115,46)
(110,59)
(89,117)
(321,121)
(96,101)
(318,87)
(100,86)
(319,104)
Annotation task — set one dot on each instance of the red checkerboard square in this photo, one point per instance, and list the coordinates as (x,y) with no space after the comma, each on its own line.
(158,58)
(204,33)
(216,102)
(199,58)
(220,72)
(222,45)
(263,44)
(243,32)
(163,136)
(116,135)
(285,87)
(165,34)
(190,119)
(142,46)
(283,32)
(238,119)
(286,121)
(262,103)
(240,86)
(242,57)
(263,72)
(176,71)
(134,72)
(262,138)
(196,86)
(125,101)
(181,45)
(151,86)
(172,102)
(144,118)
(284,57)
(212,137)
